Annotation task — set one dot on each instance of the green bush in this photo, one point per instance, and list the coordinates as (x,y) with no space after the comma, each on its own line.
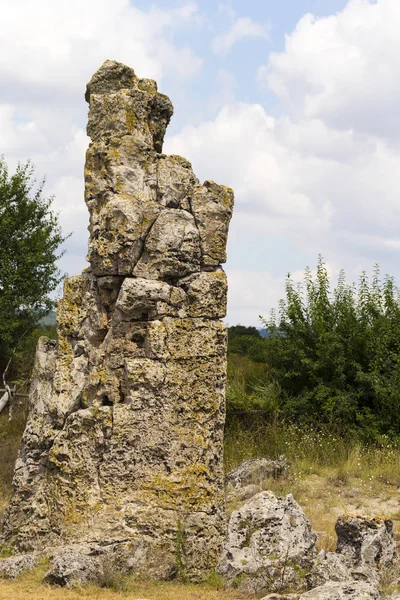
(336,355)
(331,357)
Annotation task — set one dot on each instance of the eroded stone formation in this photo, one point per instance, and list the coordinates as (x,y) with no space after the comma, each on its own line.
(123,446)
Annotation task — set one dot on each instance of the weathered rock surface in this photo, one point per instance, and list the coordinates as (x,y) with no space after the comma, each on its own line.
(257,470)
(269,546)
(251,477)
(70,568)
(124,440)
(366,547)
(350,590)
(366,541)
(15,565)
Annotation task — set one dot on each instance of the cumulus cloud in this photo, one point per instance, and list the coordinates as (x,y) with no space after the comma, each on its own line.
(242,148)
(342,68)
(241,28)
(59,44)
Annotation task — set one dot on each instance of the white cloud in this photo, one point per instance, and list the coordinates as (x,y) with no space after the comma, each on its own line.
(251,294)
(300,179)
(242,28)
(60,44)
(16,133)
(322,174)
(242,148)
(226,9)
(342,68)
(225,92)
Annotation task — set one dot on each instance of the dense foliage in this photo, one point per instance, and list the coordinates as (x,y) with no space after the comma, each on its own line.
(332,357)
(241,339)
(30,238)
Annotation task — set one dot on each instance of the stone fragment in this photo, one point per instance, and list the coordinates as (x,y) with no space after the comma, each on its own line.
(172,247)
(328,566)
(257,470)
(70,568)
(15,565)
(212,209)
(175,182)
(111,77)
(365,548)
(269,546)
(366,541)
(144,300)
(126,105)
(206,294)
(351,590)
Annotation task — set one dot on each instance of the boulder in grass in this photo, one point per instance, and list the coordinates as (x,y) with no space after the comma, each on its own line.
(13,566)
(348,590)
(256,470)
(365,548)
(70,568)
(270,545)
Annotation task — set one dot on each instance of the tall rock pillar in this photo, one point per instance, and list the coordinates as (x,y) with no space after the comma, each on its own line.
(123,448)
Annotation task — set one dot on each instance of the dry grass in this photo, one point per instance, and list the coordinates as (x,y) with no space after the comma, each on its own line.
(29,587)
(329,476)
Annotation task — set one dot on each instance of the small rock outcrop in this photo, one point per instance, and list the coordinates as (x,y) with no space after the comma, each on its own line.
(365,548)
(251,477)
(256,471)
(366,541)
(13,566)
(71,568)
(269,546)
(124,442)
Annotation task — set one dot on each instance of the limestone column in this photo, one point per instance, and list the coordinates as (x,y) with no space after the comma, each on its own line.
(123,448)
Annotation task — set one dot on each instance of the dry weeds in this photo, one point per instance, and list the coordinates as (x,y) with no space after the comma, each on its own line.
(29,587)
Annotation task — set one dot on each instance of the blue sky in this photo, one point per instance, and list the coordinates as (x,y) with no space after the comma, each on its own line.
(294,104)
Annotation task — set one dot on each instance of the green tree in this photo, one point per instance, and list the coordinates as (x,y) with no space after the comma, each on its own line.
(30,240)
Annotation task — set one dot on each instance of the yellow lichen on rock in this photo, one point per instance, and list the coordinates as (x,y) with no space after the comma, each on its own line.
(123,449)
